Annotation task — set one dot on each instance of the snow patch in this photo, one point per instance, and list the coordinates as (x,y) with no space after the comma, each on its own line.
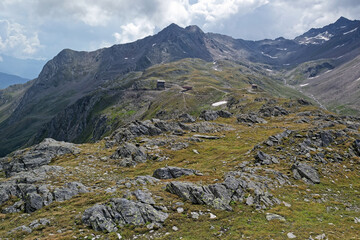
(154,45)
(339,46)
(303,85)
(282,49)
(126,58)
(219,103)
(350,31)
(357,80)
(323,37)
(267,55)
(269,70)
(327,71)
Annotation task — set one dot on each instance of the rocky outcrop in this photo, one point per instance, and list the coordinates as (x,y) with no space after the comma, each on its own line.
(121,212)
(237,186)
(265,159)
(36,156)
(306,172)
(209,115)
(186,118)
(172,172)
(130,155)
(34,197)
(272,111)
(156,127)
(250,118)
(277,139)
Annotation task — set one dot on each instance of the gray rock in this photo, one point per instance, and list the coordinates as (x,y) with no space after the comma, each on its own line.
(33,202)
(272,216)
(205,137)
(36,156)
(265,159)
(130,155)
(39,222)
(68,191)
(22,228)
(303,170)
(120,211)
(251,118)
(172,172)
(186,118)
(268,111)
(356,146)
(224,114)
(144,197)
(209,115)
(179,146)
(277,139)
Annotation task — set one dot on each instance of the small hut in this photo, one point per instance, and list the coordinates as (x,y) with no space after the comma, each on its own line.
(160,85)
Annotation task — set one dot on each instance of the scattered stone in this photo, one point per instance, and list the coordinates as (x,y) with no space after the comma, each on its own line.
(212,216)
(205,136)
(172,172)
(195,215)
(269,111)
(180,210)
(357,219)
(196,151)
(22,228)
(272,216)
(291,235)
(277,139)
(144,197)
(175,228)
(302,170)
(179,146)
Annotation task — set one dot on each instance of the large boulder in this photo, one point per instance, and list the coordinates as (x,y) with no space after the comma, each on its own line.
(172,172)
(272,111)
(36,156)
(306,172)
(121,212)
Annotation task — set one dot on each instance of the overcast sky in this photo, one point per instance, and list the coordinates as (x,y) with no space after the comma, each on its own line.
(41,28)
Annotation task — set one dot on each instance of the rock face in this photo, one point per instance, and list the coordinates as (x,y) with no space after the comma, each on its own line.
(36,156)
(250,118)
(119,212)
(172,172)
(186,118)
(265,159)
(236,187)
(130,155)
(302,170)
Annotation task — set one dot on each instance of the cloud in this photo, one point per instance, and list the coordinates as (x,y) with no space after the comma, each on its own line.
(16,41)
(135,30)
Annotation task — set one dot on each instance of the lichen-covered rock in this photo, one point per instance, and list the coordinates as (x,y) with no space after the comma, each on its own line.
(172,172)
(269,111)
(186,118)
(302,170)
(119,212)
(36,156)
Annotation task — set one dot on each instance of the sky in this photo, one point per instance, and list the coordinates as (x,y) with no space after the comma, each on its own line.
(39,29)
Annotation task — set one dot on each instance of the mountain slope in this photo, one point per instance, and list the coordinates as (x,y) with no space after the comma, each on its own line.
(74,79)
(8,79)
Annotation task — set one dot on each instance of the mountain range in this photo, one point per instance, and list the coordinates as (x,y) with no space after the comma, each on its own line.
(74,96)
(8,79)
(187,135)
